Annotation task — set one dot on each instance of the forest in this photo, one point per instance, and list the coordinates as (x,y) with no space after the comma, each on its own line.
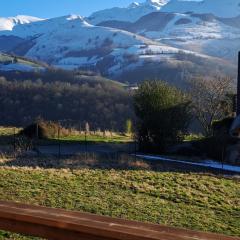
(60,95)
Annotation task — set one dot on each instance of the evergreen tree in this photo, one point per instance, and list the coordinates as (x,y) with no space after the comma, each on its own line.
(163,115)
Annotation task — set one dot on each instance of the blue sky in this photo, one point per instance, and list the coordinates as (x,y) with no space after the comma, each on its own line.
(54,8)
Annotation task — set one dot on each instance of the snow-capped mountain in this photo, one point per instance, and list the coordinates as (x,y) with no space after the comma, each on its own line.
(130,14)
(220,8)
(202,33)
(70,42)
(45,26)
(11,22)
(141,36)
(205,26)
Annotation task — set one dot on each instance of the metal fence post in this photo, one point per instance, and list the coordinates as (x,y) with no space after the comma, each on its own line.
(14,140)
(35,143)
(59,144)
(85,140)
(37,134)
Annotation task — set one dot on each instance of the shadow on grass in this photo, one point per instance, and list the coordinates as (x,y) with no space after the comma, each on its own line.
(64,146)
(104,161)
(10,138)
(6,140)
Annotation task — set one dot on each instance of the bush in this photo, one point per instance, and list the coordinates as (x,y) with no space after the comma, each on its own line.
(129,127)
(223,126)
(163,115)
(214,147)
(42,130)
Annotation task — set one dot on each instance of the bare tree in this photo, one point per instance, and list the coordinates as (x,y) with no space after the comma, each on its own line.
(211,99)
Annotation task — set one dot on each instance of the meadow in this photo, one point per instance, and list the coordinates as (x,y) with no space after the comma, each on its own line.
(189,200)
(71,136)
(123,187)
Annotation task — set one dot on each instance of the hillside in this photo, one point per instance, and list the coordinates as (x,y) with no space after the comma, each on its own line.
(54,94)
(136,10)
(223,8)
(10,63)
(72,43)
(208,27)
(150,38)
(131,13)
(10,22)
(200,33)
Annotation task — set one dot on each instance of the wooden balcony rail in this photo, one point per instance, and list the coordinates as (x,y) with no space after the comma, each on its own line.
(66,225)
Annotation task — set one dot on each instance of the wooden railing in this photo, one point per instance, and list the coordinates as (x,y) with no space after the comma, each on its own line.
(66,225)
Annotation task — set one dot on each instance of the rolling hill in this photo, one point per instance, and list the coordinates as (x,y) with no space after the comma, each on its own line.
(201,33)
(10,22)
(10,63)
(156,38)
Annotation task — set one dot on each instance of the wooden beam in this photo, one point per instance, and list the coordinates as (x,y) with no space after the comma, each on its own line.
(61,224)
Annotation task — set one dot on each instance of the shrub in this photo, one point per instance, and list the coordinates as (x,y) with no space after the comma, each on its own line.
(223,126)
(163,115)
(214,147)
(42,130)
(129,127)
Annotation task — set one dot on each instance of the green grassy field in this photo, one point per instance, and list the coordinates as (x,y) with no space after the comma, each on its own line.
(7,132)
(188,200)
(6,135)
(6,57)
(194,201)
(97,138)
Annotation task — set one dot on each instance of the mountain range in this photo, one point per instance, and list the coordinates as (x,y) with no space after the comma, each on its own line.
(155,38)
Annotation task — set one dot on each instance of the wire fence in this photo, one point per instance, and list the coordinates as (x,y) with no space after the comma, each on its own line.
(65,138)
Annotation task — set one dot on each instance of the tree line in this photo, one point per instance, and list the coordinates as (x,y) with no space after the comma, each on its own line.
(101,103)
(160,113)
(164,113)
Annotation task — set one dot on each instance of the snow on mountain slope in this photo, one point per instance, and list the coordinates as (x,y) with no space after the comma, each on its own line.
(11,63)
(11,22)
(44,26)
(76,43)
(202,33)
(206,26)
(220,8)
(205,34)
(129,14)
(70,42)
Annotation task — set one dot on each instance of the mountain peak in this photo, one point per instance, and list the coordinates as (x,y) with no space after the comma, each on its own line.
(131,13)
(75,17)
(78,18)
(158,3)
(134,5)
(10,22)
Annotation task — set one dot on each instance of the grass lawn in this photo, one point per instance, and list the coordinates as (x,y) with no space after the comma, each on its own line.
(8,131)
(194,201)
(6,136)
(4,58)
(97,138)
